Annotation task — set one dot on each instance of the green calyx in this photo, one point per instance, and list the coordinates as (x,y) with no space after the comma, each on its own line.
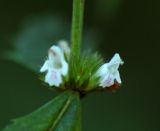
(82,75)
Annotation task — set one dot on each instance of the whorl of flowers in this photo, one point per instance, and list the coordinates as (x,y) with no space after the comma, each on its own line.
(87,74)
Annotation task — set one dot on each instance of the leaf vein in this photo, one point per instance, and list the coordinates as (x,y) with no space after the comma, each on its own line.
(62,112)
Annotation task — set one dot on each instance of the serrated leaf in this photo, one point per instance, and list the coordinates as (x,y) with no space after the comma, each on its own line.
(60,114)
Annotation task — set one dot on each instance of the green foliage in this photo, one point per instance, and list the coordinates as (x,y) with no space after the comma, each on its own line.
(60,114)
(63,112)
(35,37)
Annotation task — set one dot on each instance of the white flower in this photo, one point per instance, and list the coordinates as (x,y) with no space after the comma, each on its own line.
(109,73)
(65,48)
(55,66)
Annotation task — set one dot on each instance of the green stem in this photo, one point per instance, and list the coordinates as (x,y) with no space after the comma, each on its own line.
(76,31)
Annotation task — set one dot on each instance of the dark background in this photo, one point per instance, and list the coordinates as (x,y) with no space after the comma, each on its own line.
(131,28)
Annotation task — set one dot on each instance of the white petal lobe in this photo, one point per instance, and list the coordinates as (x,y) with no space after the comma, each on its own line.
(53,78)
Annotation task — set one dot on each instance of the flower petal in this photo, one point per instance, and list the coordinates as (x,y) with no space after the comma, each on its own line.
(115,62)
(53,78)
(56,56)
(65,48)
(107,81)
(117,77)
(64,69)
(102,70)
(44,67)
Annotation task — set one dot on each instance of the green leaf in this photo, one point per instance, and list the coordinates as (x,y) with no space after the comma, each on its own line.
(60,114)
(36,35)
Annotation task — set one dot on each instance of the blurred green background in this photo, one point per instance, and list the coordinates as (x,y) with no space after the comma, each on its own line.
(132,28)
